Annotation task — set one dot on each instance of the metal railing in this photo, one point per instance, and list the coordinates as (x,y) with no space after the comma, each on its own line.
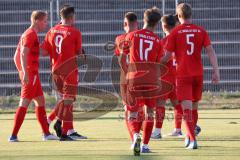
(101,21)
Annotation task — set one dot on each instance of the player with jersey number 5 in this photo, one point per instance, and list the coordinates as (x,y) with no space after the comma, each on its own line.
(63,43)
(187,41)
(26,59)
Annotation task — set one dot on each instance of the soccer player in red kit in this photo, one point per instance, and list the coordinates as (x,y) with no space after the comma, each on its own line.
(168,23)
(26,59)
(144,47)
(63,43)
(187,41)
(130,25)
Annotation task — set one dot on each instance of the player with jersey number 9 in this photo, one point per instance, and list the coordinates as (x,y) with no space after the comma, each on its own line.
(63,43)
(58,43)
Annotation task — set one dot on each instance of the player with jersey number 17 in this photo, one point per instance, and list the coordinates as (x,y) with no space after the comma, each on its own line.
(144,53)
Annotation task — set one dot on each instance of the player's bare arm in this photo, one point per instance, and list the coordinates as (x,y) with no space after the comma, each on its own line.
(23,57)
(82,54)
(166,57)
(15,57)
(81,57)
(122,59)
(213,60)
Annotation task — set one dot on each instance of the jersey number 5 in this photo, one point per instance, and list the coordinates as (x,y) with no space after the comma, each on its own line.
(144,56)
(58,43)
(188,36)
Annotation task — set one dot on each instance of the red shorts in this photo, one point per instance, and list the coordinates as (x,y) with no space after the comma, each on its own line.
(136,103)
(189,88)
(33,89)
(170,79)
(66,86)
(148,102)
(140,103)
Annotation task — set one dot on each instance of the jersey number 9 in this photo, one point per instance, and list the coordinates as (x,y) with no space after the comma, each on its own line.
(58,43)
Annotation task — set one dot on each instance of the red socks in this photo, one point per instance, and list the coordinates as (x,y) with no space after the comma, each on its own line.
(178,114)
(67,125)
(134,126)
(160,114)
(129,129)
(195,117)
(52,115)
(147,129)
(18,120)
(64,112)
(187,114)
(67,119)
(140,118)
(42,119)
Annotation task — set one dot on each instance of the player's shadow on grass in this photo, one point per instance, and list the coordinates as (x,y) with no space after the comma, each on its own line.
(40,141)
(216,140)
(220,147)
(49,141)
(106,139)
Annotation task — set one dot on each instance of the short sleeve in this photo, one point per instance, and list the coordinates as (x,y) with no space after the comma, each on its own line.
(171,42)
(127,43)
(207,40)
(46,44)
(160,51)
(117,50)
(28,40)
(79,42)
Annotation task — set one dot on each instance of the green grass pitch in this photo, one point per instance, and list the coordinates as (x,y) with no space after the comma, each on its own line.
(108,139)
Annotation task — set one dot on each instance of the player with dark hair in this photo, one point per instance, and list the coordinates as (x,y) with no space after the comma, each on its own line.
(130,24)
(63,43)
(168,23)
(144,47)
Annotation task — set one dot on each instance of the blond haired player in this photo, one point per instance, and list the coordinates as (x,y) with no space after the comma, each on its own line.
(187,41)
(27,62)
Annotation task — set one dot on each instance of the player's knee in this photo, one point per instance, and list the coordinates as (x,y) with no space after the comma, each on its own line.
(161,102)
(24,102)
(39,101)
(132,115)
(58,96)
(187,104)
(195,105)
(174,102)
(149,113)
(68,101)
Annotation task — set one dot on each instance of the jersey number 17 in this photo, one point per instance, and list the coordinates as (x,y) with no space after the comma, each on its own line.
(145,52)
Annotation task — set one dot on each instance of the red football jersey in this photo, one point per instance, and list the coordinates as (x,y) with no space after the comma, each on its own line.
(119,44)
(144,46)
(62,43)
(171,65)
(187,41)
(28,39)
